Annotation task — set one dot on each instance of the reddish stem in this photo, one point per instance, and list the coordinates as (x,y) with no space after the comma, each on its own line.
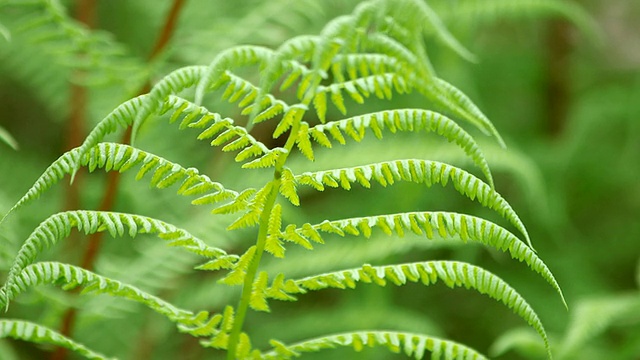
(558,89)
(86,14)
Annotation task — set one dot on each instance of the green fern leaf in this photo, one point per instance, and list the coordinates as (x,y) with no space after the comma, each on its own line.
(293,115)
(320,104)
(173,83)
(273,244)
(220,340)
(420,171)
(27,331)
(303,141)
(446,225)
(277,107)
(119,157)
(412,120)
(282,289)
(227,60)
(258,300)
(267,160)
(72,276)
(202,325)
(428,17)
(392,54)
(452,273)
(239,203)
(592,316)
(59,226)
(120,118)
(413,345)
(474,11)
(459,104)
(236,276)
(223,262)
(288,187)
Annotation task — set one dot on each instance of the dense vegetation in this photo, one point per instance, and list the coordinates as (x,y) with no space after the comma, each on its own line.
(366,89)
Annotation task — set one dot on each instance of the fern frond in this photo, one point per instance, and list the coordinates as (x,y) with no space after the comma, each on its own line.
(459,104)
(413,345)
(65,164)
(419,171)
(219,326)
(28,331)
(359,66)
(59,226)
(120,157)
(121,117)
(231,58)
(273,245)
(69,276)
(395,55)
(490,10)
(445,225)
(413,120)
(381,85)
(258,300)
(237,274)
(45,25)
(592,316)
(214,125)
(288,187)
(452,273)
(284,61)
(176,81)
(432,23)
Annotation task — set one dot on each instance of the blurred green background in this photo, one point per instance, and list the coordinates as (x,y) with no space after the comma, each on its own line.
(559,79)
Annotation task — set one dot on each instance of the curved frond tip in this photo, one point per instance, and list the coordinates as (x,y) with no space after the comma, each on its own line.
(446,225)
(452,273)
(70,276)
(419,171)
(59,226)
(120,157)
(410,120)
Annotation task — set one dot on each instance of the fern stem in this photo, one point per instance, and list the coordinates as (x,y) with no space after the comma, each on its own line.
(245,298)
(243,305)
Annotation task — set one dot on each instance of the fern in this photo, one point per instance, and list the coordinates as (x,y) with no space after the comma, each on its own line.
(28,331)
(413,345)
(450,272)
(376,51)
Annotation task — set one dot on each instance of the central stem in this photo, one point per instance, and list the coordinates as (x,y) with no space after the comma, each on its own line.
(247,286)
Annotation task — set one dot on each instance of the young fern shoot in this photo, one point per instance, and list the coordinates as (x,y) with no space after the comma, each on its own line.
(377,51)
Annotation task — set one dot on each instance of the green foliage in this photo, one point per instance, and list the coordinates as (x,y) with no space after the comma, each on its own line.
(286,111)
(28,331)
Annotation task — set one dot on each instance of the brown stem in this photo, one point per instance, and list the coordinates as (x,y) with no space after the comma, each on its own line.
(86,14)
(558,81)
(168,28)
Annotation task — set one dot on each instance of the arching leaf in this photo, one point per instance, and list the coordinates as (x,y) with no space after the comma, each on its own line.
(452,273)
(28,331)
(419,171)
(412,345)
